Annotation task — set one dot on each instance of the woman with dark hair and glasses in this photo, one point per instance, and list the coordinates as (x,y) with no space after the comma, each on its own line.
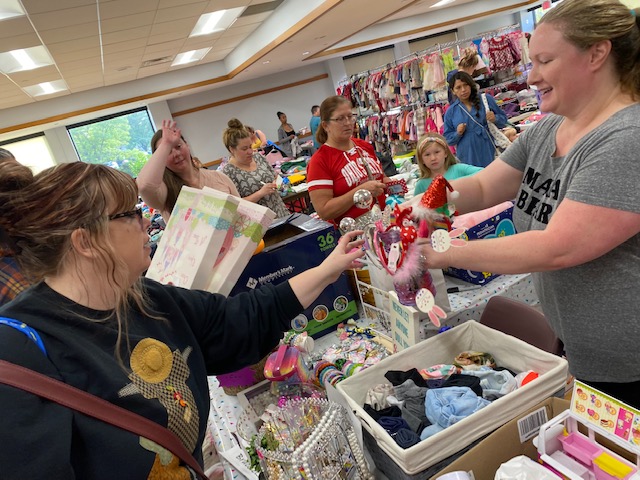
(466,122)
(171,167)
(93,322)
(342,165)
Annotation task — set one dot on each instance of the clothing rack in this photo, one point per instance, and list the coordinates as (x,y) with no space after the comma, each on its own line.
(453,43)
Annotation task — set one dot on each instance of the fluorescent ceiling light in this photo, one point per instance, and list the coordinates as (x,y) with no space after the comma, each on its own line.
(46,88)
(441,3)
(216,21)
(24,59)
(190,56)
(10,9)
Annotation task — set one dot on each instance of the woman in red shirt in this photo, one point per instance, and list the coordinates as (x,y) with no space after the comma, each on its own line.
(342,165)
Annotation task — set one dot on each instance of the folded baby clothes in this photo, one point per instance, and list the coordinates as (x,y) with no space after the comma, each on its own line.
(393,424)
(398,377)
(495,384)
(461,380)
(406,438)
(438,371)
(447,406)
(377,395)
(385,412)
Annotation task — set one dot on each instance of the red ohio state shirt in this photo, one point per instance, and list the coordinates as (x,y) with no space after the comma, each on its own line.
(341,171)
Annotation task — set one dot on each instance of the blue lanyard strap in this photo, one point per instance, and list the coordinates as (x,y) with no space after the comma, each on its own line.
(26,329)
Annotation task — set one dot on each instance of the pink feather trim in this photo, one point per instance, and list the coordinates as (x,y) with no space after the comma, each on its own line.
(411,266)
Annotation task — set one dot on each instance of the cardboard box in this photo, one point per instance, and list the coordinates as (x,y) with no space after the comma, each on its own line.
(292,245)
(507,441)
(426,458)
(499,225)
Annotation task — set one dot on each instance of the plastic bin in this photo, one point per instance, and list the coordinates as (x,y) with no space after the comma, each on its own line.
(580,447)
(608,467)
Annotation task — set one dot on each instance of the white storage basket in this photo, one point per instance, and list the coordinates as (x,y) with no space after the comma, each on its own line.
(508,352)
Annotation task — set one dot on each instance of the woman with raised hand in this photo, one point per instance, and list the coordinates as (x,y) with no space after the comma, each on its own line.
(171,167)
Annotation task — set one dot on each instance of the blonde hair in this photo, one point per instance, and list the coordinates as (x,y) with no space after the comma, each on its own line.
(468,59)
(40,218)
(424,143)
(586,23)
(234,133)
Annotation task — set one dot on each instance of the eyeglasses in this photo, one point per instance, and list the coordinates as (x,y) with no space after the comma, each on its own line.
(343,119)
(132,213)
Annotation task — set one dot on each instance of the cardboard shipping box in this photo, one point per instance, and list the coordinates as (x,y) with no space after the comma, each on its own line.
(292,245)
(499,225)
(511,440)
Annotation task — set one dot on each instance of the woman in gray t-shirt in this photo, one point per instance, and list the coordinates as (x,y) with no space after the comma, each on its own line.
(574,177)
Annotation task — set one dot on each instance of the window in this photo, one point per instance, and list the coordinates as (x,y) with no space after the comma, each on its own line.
(31,151)
(120,141)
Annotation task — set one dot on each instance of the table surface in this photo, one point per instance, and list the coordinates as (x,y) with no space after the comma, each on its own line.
(465,305)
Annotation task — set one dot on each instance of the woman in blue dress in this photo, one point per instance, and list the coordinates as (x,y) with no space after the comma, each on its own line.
(466,122)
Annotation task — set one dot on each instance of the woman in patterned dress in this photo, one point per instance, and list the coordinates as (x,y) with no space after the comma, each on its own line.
(254,178)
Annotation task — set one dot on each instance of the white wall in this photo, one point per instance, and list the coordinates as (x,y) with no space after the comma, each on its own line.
(491,23)
(203,129)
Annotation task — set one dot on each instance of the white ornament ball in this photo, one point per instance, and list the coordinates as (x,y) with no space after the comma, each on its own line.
(347,224)
(363,199)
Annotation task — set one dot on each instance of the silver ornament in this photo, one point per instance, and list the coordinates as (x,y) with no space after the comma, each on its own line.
(363,199)
(347,224)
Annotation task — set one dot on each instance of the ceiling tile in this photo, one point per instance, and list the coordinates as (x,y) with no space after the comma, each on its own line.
(64,18)
(88,86)
(200,42)
(20,41)
(40,6)
(216,54)
(9,89)
(154,70)
(114,79)
(125,23)
(228,41)
(245,30)
(174,46)
(165,53)
(124,46)
(76,55)
(16,101)
(61,93)
(215,5)
(175,3)
(39,75)
(251,19)
(73,32)
(15,26)
(121,65)
(126,35)
(83,78)
(193,10)
(121,8)
(86,65)
(125,56)
(74,45)
(181,27)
